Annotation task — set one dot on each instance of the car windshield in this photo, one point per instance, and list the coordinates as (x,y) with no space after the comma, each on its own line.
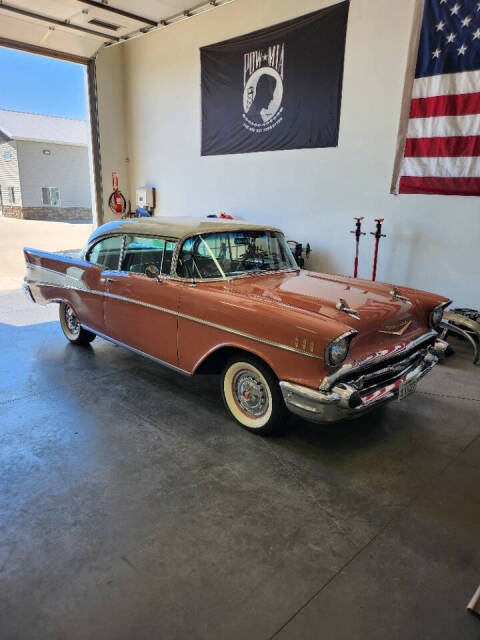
(233,253)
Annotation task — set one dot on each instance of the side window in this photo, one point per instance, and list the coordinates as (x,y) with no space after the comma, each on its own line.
(140,252)
(106,253)
(199,258)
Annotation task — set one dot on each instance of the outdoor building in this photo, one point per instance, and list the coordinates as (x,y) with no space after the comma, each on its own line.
(44,169)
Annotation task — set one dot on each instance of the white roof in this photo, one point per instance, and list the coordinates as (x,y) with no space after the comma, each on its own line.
(176,226)
(33,126)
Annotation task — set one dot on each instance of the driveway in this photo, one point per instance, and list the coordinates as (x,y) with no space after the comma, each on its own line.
(51,236)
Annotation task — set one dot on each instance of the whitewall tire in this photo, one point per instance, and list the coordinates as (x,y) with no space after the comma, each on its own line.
(252,396)
(71,327)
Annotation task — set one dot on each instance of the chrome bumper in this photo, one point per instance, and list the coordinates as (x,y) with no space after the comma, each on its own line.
(345,400)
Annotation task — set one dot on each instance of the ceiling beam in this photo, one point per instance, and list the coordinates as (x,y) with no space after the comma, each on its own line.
(42,51)
(205,5)
(119,12)
(55,21)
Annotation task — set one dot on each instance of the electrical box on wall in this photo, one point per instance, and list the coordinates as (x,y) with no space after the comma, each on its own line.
(146,198)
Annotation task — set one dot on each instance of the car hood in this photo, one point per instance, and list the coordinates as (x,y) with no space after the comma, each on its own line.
(320,293)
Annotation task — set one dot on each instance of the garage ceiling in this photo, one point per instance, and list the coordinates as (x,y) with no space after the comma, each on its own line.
(79,28)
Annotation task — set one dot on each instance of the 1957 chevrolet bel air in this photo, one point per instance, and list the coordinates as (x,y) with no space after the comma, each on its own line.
(206,296)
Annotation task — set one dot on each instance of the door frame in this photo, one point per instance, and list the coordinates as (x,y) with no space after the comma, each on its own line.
(89,64)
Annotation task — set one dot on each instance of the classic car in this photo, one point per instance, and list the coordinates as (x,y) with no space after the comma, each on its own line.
(210,296)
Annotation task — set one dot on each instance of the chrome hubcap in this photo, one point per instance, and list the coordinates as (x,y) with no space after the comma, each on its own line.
(71,321)
(250,393)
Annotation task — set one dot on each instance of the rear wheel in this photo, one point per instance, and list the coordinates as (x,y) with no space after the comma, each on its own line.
(251,394)
(71,326)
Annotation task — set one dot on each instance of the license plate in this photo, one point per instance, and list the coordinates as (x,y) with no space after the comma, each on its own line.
(406,388)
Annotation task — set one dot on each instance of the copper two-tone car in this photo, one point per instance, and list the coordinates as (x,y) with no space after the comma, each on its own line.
(207,296)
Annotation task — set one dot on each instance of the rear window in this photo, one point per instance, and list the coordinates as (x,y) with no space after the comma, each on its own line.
(106,253)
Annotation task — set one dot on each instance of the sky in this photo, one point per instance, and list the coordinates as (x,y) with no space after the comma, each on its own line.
(38,84)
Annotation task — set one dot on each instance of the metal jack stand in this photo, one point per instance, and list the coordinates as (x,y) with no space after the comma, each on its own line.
(358,232)
(378,234)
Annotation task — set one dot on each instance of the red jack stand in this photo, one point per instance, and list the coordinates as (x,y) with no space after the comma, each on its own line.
(378,234)
(358,232)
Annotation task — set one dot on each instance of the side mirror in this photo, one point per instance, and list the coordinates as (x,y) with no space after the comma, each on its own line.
(152,271)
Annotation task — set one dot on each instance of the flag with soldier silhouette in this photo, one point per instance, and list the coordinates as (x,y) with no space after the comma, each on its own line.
(277,88)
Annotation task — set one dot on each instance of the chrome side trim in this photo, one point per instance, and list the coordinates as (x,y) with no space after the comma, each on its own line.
(352,368)
(38,267)
(137,351)
(41,283)
(184,316)
(248,336)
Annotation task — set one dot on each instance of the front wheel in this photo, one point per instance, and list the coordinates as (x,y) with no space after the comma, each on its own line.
(71,326)
(251,394)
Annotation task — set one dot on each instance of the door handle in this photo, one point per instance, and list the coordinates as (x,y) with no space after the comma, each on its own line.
(110,280)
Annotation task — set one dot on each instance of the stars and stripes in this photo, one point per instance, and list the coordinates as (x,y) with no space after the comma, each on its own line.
(442,148)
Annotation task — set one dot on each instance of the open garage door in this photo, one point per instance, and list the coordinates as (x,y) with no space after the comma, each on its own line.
(75,30)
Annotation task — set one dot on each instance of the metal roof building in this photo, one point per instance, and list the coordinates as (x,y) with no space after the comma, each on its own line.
(17,125)
(44,167)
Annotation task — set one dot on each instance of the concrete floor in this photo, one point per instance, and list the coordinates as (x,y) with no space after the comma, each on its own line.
(132,507)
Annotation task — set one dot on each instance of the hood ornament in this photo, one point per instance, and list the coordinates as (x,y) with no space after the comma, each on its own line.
(342,305)
(396,296)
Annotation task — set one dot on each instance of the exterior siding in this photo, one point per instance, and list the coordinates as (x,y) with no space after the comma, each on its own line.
(9,173)
(66,168)
(57,214)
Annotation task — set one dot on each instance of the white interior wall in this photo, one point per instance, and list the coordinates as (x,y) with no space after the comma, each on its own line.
(110,70)
(312,194)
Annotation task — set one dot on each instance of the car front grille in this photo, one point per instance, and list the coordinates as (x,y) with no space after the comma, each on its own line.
(378,374)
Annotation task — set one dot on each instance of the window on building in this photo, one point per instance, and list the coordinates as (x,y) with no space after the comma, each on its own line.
(51,196)
(7,156)
(11,195)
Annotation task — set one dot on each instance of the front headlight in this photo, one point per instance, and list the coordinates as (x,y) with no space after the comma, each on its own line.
(337,351)
(436,316)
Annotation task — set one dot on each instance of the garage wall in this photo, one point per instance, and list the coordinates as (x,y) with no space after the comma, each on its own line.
(312,194)
(110,70)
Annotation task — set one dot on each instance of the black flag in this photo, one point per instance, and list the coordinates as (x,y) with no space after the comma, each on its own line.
(277,88)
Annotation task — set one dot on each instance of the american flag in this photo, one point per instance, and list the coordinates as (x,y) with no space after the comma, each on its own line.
(442,147)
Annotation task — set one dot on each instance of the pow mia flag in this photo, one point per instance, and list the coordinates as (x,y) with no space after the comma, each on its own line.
(277,88)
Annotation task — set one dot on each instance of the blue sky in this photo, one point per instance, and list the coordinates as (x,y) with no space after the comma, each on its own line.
(38,84)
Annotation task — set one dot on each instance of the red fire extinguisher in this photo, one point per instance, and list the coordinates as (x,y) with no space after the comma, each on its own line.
(116,201)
